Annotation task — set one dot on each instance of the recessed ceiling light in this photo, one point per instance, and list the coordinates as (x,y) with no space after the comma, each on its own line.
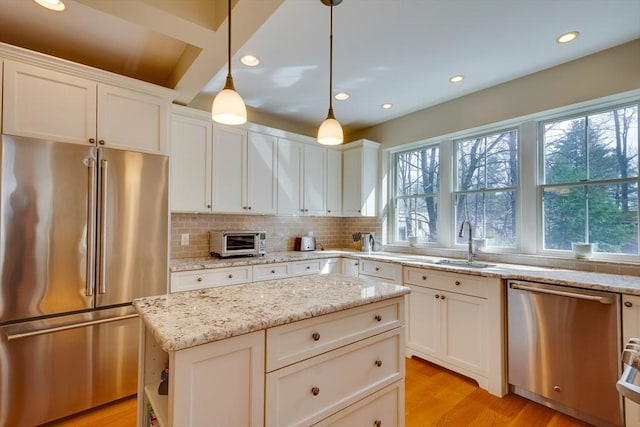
(387,105)
(56,5)
(250,60)
(567,37)
(456,79)
(341,96)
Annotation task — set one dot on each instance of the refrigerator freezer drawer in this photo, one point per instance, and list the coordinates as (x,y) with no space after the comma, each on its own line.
(54,368)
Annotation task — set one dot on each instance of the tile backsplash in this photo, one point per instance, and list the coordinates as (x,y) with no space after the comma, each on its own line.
(331,232)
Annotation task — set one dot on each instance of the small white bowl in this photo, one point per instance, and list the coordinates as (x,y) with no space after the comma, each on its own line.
(583,250)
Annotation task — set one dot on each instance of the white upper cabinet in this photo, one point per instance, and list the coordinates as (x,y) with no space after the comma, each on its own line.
(191,155)
(289,177)
(302,178)
(134,120)
(360,178)
(314,180)
(47,104)
(334,183)
(243,171)
(261,177)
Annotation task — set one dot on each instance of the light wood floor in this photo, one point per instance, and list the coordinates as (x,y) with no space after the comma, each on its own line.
(434,397)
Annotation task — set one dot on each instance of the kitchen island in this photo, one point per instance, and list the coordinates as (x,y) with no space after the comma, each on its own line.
(300,351)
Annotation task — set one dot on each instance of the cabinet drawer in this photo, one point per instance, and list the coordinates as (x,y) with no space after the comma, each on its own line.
(382,270)
(270,271)
(297,341)
(384,407)
(452,282)
(300,268)
(201,279)
(309,391)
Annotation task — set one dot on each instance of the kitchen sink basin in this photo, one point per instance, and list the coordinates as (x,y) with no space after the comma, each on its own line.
(460,263)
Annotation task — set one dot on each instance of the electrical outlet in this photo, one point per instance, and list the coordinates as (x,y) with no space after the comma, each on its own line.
(184,239)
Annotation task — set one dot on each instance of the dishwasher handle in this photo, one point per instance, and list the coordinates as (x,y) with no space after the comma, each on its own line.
(525,287)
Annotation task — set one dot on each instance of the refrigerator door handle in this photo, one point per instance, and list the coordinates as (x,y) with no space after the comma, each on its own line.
(91,229)
(104,164)
(18,335)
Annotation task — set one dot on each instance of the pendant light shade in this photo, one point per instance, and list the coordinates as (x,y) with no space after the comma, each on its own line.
(330,131)
(228,107)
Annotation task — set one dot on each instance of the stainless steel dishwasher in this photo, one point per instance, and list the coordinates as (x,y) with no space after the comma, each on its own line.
(564,346)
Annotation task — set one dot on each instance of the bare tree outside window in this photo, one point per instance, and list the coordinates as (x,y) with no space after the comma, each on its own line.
(417,175)
(486,182)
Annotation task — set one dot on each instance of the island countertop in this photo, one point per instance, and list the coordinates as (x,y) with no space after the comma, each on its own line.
(186,319)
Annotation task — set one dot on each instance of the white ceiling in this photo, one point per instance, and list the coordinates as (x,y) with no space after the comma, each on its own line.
(397,51)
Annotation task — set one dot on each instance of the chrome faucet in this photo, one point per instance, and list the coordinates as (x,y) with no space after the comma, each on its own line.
(470,255)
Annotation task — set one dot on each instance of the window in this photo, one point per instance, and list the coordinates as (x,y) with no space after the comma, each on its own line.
(416,187)
(486,181)
(590,181)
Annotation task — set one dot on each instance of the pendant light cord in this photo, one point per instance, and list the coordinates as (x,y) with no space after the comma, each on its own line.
(229,42)
(331,62)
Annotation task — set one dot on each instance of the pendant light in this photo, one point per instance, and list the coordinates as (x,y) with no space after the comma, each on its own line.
(228,107)
(330,132)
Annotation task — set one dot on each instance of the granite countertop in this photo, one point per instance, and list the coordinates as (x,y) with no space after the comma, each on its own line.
(578,279)
(186,319)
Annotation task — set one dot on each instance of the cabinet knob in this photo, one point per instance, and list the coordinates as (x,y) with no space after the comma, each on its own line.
(199,279)
(315,391)
(249,207)
(359,211)
(441,296)
(378,317)
(424,277)
(101,142)
(315,336)
(457,283)
(209,206)
(308,267)
(92,141)
(273,272)
(377,423)
(378,363)
(377,268)
(355,263)
(328,210)
(230,276)
(306,210)
(628,304)
(437,296)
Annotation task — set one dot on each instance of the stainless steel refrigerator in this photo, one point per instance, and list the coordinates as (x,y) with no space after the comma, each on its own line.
(83,231)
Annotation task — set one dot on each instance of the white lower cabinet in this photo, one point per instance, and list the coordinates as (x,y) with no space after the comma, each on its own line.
(339,369)
(202,279)
(631,329)
(387,271)
(455,320)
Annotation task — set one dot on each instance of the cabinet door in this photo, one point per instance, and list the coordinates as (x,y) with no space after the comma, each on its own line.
(45,104)
(350,267)
(631,329)
(220,383)
(132,120)
(464,326)
(314,178)
(191,146)
(289,177)
(261,176)
(334,183)
(352,180)
(229,170)
(424,321)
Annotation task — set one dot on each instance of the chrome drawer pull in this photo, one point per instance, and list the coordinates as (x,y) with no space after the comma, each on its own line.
(378,363)
(378,317)
(315,391)
(315,336)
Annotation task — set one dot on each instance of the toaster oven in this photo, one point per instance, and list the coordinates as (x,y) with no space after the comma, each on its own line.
(237,243)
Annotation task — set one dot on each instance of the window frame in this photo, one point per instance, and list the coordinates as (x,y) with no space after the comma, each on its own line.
(541,185)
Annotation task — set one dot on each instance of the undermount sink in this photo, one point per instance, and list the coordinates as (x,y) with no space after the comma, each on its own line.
(460,263)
